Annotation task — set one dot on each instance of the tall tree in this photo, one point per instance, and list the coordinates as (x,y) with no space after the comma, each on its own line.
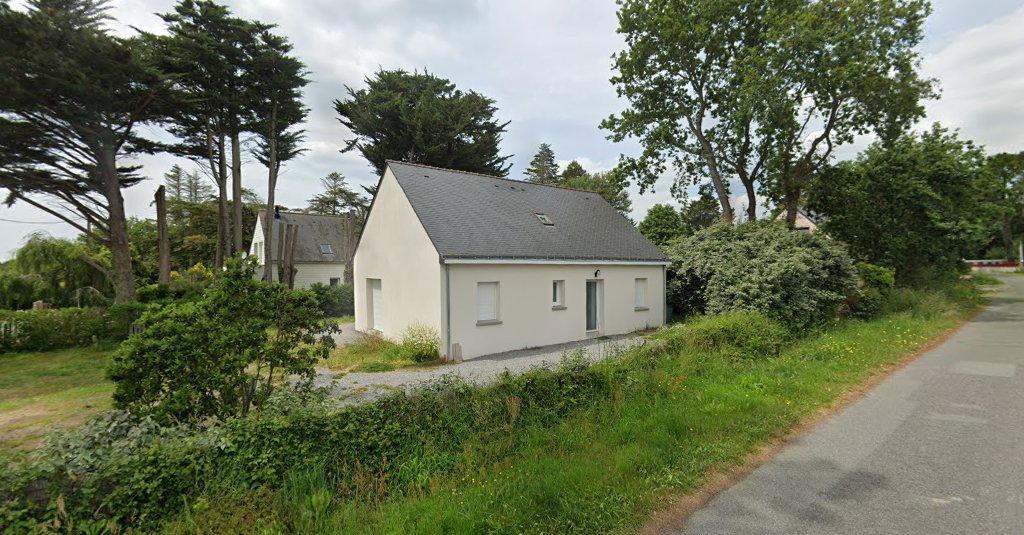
(214,108)
(338,198)
(918,204)
(1007,171)
(71,99)
(762,91)
(543,169)
(422,118)
(276,83)
(573,170)
(662,224)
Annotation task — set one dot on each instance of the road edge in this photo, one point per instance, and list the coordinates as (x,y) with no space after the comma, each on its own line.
(680,508)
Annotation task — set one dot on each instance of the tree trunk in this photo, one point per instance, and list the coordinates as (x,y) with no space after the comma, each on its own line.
(236,191)
(123,276)
(748,185)
(350,230)
(268,225)
(224,218)
(163,240)
(708,154)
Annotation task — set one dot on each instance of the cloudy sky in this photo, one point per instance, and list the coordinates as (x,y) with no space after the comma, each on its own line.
(547,64)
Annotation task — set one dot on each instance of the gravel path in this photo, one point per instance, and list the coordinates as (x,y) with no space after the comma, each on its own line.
(358,387)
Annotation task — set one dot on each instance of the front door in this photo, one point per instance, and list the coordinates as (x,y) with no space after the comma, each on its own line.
(593,298)
(376,308)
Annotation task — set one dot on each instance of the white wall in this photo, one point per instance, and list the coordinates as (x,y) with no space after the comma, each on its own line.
(396,249)
(525,304)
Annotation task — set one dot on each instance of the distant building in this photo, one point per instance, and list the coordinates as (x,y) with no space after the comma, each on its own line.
(804,222)
(320,248)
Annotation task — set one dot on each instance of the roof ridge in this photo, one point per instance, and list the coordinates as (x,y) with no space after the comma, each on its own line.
(506,179)
(264,210)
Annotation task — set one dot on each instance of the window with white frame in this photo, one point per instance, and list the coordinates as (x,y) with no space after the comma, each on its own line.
(258,248)
(487,302)
(558,294)
(640,293)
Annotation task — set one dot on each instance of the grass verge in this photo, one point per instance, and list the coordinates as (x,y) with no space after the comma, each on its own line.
(369,354)
(40,389)
(676,412)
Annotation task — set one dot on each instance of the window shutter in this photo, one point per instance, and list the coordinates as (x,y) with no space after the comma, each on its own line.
(640,296)
(486,301)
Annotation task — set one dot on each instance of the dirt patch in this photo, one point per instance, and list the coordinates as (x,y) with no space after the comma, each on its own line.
(679,508)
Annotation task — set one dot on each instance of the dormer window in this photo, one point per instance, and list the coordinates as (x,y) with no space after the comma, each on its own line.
(546,220)
(325,248)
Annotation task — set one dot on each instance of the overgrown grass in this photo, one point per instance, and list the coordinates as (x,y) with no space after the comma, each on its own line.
(985,280)
(40,389)
(369,354)
(670,414)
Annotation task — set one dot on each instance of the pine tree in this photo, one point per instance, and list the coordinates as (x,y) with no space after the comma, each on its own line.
(543,169)
(573,170)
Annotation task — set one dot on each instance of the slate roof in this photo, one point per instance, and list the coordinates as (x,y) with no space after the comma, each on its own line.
(474,216)
(314,229)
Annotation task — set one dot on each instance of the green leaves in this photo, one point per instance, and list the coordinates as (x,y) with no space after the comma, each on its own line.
(219,356)
(422,118)
(918,203)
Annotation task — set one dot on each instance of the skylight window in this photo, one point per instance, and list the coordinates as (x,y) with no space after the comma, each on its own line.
(325,248)
(545,219)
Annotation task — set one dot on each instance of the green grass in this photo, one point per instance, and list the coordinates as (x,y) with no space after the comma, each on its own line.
(342,320)
(677,414)
(40,389)
(368,354)
(985,280)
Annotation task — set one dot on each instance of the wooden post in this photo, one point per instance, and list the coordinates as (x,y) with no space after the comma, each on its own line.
(163,242)
(293,233)
(280,250)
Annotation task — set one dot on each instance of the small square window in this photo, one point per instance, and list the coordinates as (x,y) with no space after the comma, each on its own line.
(545,219)
(335,281)
(557,294)
(326,248)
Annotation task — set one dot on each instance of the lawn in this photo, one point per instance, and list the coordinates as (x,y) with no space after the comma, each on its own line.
(40,389)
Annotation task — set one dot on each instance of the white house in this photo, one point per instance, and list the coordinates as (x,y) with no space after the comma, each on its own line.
(496,264)
(319,247)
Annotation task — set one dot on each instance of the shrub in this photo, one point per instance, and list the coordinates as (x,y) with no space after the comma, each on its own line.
(421,343)
(335,301)
(43,330)
(217,357)
(798,279)
(877,285)
(738,334)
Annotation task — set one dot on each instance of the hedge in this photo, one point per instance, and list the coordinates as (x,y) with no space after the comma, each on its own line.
(43,330)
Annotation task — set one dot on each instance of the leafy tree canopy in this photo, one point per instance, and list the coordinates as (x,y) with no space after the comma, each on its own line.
(662,225)
(421,118)
(918,203)
(762,91)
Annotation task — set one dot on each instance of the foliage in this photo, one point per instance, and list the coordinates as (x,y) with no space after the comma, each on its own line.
(369,353)
(749,335)
(543,169)
(186,186)
(795,278)
(662,224)
(338,198)
(877,284)
(609,185)
(335,301)
(1007,196)
(58,271)
(762,91)
(422,118)
(528,453)
(701,212)
(421,343)
(72,100)
(218,356)
(41,330)
(917,204)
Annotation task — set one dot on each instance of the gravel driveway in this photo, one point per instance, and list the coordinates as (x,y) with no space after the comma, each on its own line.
(358,387)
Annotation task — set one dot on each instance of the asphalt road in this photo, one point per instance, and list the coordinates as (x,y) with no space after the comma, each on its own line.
(936,448)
